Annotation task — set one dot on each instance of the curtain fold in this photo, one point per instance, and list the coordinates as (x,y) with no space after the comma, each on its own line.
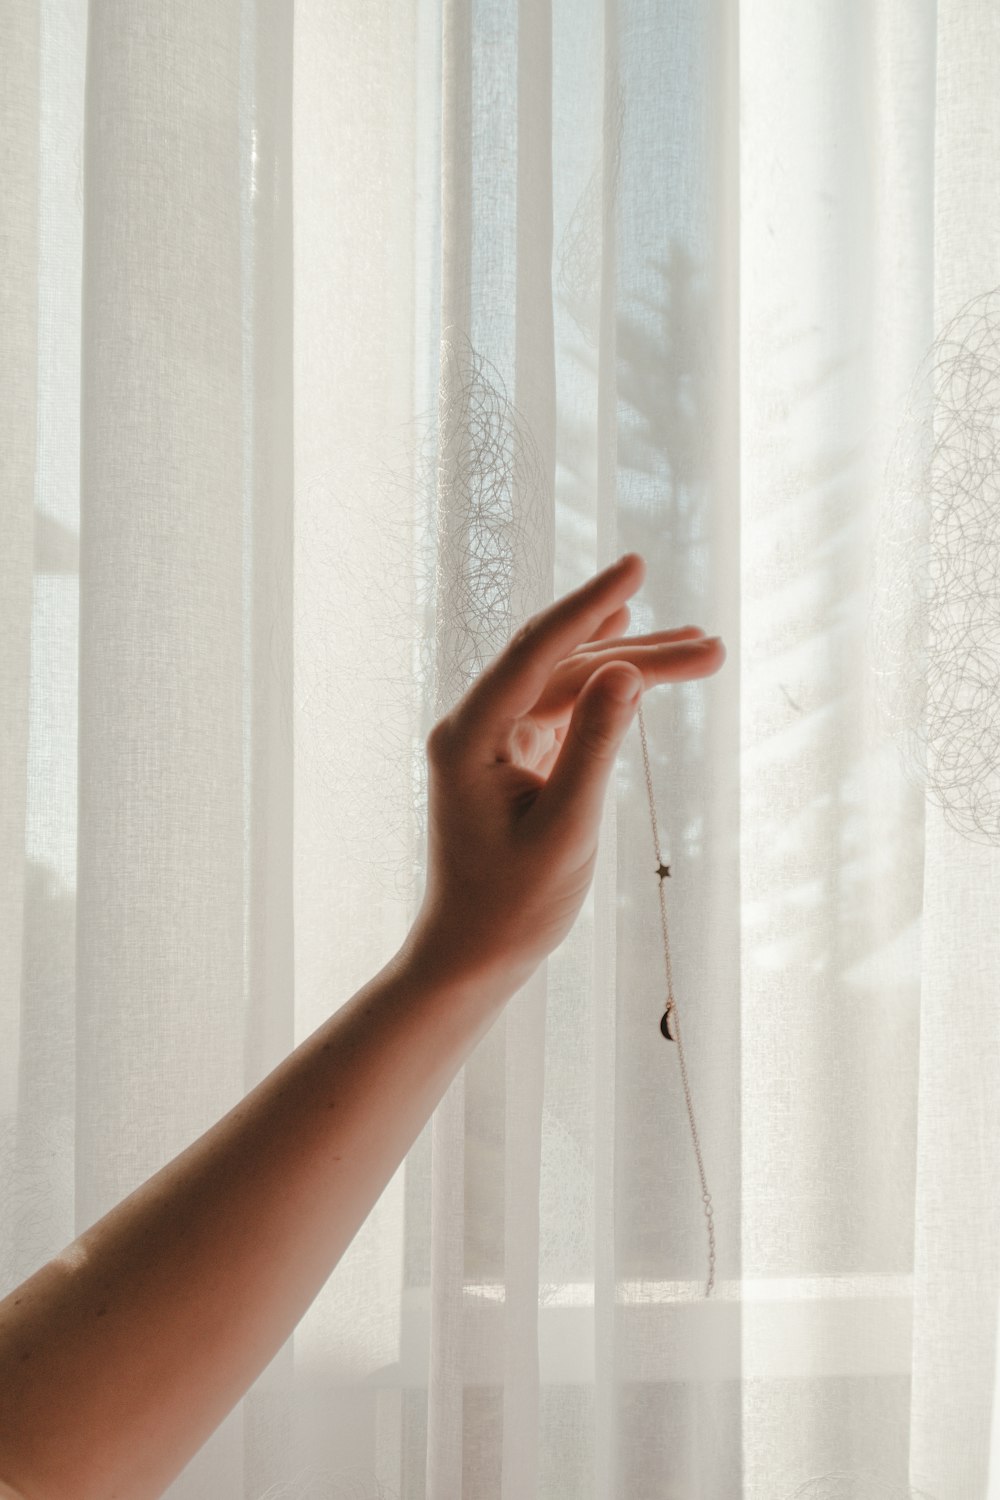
(337,340)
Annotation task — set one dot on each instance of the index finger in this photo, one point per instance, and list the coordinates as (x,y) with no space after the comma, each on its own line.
(516,678)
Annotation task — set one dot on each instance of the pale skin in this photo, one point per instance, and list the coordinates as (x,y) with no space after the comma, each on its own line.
(120,1356)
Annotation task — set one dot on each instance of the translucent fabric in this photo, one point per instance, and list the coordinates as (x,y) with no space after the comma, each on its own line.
(337,339)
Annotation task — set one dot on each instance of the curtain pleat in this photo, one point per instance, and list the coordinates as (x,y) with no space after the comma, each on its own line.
(590,265)
(20,131)
(956,1211)
(161,874)
(533,390)
(358,607)
(444,1414)
(338,340)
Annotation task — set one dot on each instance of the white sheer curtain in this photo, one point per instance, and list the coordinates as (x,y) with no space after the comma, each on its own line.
(338,339)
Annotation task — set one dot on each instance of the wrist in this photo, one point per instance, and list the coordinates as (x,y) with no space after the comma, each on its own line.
(441,960)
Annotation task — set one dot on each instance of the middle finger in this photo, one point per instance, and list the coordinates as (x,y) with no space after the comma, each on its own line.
(657,638)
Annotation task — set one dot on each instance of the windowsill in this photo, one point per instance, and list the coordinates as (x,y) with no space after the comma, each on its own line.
(758,1329)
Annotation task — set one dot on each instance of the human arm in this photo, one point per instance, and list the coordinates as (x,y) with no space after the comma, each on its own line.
(119,1357)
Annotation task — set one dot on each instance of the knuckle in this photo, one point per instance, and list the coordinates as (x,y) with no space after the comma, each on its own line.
(524,635)
(439,741)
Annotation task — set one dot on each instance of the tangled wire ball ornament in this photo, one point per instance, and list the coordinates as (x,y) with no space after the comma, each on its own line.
(934,606)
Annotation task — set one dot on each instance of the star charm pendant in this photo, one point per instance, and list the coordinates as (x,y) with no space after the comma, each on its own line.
(663,870)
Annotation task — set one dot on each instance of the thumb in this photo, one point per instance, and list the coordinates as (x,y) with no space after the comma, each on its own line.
(573,795)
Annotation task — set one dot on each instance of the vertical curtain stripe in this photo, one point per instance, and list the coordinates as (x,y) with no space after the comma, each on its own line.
(956,1206)
(268,480)
(160,903)
(19,132)
(605,920)
(533,489)
(446,1387)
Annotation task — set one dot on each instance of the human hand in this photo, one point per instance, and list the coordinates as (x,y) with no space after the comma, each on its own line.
(518,772)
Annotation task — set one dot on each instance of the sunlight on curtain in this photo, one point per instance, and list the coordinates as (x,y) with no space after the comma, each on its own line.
(338,339)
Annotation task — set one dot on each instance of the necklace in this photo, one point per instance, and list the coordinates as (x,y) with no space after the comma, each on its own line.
(669,1019)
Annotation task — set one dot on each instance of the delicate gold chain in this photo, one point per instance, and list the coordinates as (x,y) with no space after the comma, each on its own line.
(671,1013)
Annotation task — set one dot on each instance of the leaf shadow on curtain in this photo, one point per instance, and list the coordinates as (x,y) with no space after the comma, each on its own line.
(665,385)
(665,389)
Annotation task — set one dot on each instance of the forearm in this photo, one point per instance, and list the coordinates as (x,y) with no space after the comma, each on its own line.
(122,1355)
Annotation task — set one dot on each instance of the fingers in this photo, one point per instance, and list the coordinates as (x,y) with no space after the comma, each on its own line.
(668,656)
(516,678)
(572,798)
(658,637)
(675,661)
(570,805)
